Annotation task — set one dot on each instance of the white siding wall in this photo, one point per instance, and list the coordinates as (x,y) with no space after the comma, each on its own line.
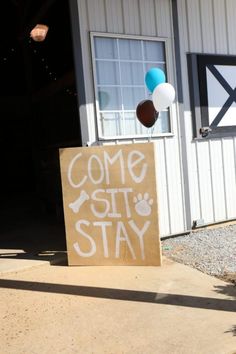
(143,18)
(208,26)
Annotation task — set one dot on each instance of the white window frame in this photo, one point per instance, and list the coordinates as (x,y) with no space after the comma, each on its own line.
(166,42)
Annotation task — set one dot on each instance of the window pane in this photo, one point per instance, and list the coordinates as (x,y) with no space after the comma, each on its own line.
(109,98)
(107,73)
(148,66)
(130,123)
(130,49)
(154,51)
(110,124)
(105,48)
(132,96)
(146,131)
(162,124)
(132,73)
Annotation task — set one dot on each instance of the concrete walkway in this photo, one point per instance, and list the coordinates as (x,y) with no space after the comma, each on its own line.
(15,260)
(139,310)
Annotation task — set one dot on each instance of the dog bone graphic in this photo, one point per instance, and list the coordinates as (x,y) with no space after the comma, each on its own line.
(75,206)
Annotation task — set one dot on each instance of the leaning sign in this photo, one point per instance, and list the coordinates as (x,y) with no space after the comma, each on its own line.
(110,205)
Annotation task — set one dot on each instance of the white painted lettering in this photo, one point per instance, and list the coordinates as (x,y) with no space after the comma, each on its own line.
(140,234)
(70,169)
(124,238)
(96,212)
(88,237)
(108,159)
(134,162)
(114,213)
(91,169)
(125,192)
(103,225)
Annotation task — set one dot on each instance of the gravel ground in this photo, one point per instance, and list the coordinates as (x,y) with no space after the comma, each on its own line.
(212,251)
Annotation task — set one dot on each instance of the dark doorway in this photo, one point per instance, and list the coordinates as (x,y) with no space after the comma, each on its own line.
(39,115)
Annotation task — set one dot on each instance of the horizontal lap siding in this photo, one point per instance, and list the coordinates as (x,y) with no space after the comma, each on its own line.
(208,26)
(143,18)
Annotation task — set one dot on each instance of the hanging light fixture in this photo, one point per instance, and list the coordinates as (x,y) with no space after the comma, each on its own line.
(39,32)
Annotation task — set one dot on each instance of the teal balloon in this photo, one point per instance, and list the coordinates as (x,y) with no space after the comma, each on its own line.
(154,77)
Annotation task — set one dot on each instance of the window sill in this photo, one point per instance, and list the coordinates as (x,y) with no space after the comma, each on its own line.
(136,137)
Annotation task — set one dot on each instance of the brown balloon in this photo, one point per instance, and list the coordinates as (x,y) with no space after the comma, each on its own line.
(146,113)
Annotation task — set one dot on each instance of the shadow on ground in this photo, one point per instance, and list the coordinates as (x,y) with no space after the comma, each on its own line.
(123,294)
(228,289)
(58,258)
(232,330)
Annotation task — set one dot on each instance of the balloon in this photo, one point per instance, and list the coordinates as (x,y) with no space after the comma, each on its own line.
(163,96)
(154,77)
(146,113)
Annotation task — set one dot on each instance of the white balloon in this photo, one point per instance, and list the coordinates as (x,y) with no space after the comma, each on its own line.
(163,96)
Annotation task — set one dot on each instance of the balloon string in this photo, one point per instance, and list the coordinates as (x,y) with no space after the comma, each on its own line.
(151,130)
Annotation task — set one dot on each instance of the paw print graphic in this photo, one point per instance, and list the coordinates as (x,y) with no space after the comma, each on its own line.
(143,204)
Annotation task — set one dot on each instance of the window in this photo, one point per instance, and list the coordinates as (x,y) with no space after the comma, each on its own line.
(120,65)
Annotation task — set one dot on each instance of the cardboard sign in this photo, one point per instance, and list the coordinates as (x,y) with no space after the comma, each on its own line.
(110,205)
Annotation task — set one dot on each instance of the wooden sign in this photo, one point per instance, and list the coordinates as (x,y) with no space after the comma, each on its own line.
(110,205)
